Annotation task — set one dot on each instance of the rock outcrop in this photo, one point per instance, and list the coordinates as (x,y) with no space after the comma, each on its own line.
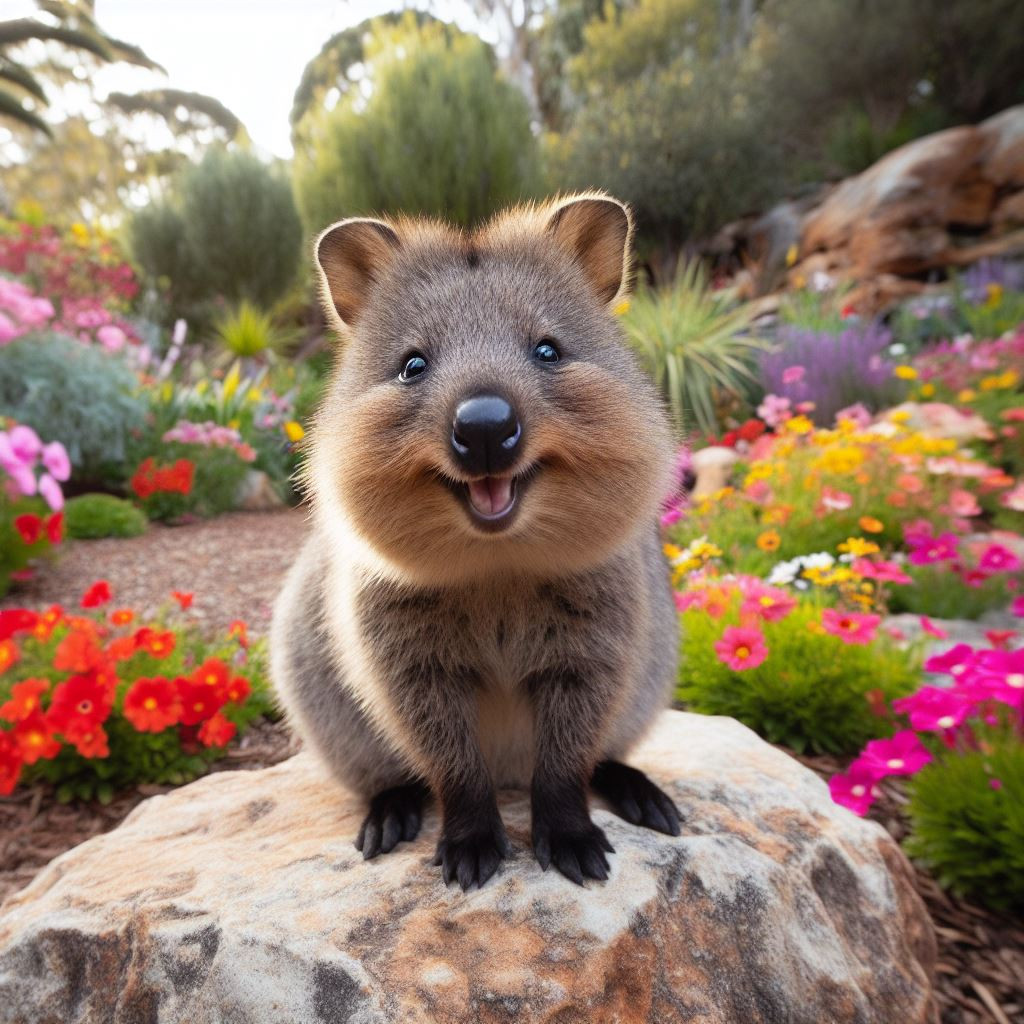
(240,900)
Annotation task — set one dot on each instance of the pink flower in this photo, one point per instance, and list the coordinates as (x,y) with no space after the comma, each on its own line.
(974,577)
(1017,608)
(883,572)
(769,603)
(111,337)
(741,647)
(856,790)
(1014,499)
(996,558)
(933,709)
(51,492)
(856,414)
(835,501)
(955,662)
(850,627)
(774,410)
(793,374)
(928,550)
(931,629)
(25,443)
(904,754)
(55,459)
(963,503)
(1003,672)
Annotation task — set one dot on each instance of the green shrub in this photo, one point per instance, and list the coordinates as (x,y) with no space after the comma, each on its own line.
(967,821)
(203,481)
(940,593)
(813,691)
(76,394)
(247,331)
(441,133)
(229,231)
(91,516)
(699,345)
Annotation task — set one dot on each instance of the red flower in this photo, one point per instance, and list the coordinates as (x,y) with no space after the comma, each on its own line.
(17,620)
(35,740)
(183,598)
(213,673)
(217,731)
(77,652)
(157,644)
(10,763)
(89,739)
(142,482)
(9,654)
(122,616)
(751,430)
(79,702)
(24,699)
(198,701)
(238,690)
(55,527)
(121,648)
(239,629)
(30,527)
(99,593)
(151,705)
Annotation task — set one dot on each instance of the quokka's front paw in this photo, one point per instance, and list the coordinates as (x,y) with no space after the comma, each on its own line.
(395,815)
(636,798)
(576,848)
(472,857)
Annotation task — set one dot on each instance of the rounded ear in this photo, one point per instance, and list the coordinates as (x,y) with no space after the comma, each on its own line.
(597,231)
(350,256)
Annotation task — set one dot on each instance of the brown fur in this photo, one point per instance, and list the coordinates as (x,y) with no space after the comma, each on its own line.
(443,652)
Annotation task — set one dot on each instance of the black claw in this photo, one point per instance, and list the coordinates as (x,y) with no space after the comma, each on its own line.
(577,851)
(472,859)
(636,798)
(395,815)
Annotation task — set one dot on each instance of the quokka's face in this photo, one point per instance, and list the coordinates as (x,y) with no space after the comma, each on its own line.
(485,415)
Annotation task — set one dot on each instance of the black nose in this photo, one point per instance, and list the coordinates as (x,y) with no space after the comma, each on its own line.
(486,435)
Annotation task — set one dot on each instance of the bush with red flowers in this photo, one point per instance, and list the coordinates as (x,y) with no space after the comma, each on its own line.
(93,700)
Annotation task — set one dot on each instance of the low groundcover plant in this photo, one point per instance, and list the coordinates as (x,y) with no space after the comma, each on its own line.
(94,699)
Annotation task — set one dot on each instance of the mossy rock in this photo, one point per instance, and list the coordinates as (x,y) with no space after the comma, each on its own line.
(91,516)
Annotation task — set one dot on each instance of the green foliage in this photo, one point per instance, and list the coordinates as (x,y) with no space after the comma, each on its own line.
(76,394)
(815,311)
(812,693)
(442,133)
(15,551)
(247,332)
(990,319)
(90,516)
(700,346)
(217,477)
(941,593)
(229,231)
(965,831)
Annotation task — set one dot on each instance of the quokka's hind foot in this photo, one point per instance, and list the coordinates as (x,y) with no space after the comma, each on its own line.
(395,815)
(634,797)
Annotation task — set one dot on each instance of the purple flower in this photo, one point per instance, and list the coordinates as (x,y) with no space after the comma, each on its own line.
(51,492)
(56,461)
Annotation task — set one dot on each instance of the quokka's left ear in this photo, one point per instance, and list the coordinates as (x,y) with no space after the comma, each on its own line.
(597,231)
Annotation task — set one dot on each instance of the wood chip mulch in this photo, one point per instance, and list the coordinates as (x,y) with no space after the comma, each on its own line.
(234,566)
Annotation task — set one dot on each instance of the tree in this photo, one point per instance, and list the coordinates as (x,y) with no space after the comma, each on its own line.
(437,130)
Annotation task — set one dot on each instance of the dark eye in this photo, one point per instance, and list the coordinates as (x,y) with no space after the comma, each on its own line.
(546,352)
(415,364)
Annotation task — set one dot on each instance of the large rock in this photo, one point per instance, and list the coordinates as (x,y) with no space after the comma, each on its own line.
(240,900)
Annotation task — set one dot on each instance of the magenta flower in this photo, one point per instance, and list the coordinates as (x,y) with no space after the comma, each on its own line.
(1002,672)
(793,374)
(1018,606)
(955,662)
(850,627)
(56,461)
(933,709)
(883,572)
(903,754)
(931,629)
(769,603)
(51,492)
(856,790)
(741,647)
(928,550)
(996,558)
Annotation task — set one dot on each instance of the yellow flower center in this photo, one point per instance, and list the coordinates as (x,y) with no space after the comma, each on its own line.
(149,703)
(742,652)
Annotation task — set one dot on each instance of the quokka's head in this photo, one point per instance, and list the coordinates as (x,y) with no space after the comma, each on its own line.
(485,415)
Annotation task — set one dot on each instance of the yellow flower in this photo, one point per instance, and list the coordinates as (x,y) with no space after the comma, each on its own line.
(671,551)
(254,395)
(858,547)
(621,308)
(80,232)
(201,386)
(899,415)
(799,425)
(295,433)
(993,295)
(927,390)
(967,395)
(905,373)
(231,381)
(816,627)
(1000,381)
(791,254)
(234,424)
(869,524)
(769,540)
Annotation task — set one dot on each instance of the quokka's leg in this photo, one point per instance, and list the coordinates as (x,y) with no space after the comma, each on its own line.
(635,797)
(570,706)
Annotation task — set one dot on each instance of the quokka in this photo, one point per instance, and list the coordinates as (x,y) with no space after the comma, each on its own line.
(483,600)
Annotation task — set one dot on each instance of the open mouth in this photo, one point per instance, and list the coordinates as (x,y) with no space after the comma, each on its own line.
(492,501)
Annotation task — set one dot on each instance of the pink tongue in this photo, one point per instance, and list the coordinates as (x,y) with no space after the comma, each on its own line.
(492,495)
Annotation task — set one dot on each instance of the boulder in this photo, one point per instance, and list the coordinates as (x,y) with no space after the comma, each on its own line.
(712,467)
(240,899)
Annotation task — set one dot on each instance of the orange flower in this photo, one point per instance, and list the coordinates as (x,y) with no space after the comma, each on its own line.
(769,540)
(869,524)
(47,622)
(198,701)
(9,654)
(157,644)
(151,705)
(89,740)
(35,740)
(121,616)
(99,593)
(121,648)
(24,699)
(10,763)
(238,690)
(217,731)
(77,652)
(239,629)
(184,599)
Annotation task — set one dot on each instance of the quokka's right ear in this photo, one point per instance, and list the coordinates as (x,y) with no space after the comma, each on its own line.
(350,256)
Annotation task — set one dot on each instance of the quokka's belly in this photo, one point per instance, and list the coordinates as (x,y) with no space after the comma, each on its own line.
(505,724)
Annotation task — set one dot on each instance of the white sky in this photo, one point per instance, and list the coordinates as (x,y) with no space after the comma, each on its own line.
(249,54)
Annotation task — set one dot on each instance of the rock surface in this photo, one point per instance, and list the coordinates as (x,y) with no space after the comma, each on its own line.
(240,900)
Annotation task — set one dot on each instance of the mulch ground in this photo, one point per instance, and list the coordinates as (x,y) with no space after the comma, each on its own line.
(234,566)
